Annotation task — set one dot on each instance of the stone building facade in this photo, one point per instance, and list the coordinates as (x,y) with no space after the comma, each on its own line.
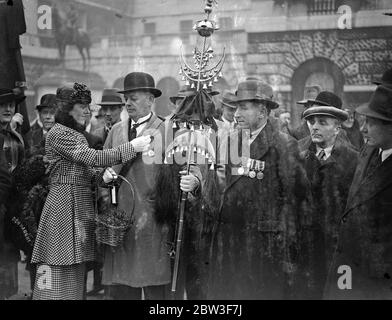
(289,44)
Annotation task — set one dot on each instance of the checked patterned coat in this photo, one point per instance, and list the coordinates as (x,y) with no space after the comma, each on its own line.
(66,230)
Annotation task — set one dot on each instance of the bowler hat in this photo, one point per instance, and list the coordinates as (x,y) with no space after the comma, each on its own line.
(47,101)
(310,92)
(140,81)
(111,97)
(228,99)
(328,104)
(9,95)
(185,91)
(380,104)
(386,79)
(255,90)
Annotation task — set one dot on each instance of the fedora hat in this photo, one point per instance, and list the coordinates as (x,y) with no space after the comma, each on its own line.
(9,95)
(380,104)
(185,91)
(310,92)
(327,104)
(386,79)
(47,101)
(140,81)
(228,99)
(111,97)
(255,90)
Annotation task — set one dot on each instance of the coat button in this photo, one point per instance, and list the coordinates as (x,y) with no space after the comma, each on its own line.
(344,220)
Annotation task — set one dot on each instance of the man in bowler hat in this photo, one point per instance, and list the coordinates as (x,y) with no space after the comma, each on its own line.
(362,264)
(261,188)
(330,165)
(142,263)
(46,113)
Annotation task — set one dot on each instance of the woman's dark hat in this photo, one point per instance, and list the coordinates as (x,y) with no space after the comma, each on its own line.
(255,90)
(140,81)
(79,93)
(328,104)
(386,79)
(380,104)
(9,95)
(47,101)
(111,97)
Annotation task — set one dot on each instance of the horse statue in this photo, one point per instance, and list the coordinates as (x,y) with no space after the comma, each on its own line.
(67,33)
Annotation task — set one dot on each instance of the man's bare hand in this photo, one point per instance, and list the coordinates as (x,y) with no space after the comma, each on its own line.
(16,120)
(188,182)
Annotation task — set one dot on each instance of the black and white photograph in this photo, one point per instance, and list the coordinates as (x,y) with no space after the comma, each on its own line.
(213,151)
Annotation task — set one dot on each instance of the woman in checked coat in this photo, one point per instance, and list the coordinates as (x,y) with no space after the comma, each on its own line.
(65,239)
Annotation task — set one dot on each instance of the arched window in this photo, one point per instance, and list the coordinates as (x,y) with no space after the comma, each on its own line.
(318,71)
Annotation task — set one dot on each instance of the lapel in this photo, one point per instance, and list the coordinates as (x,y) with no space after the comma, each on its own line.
(366,187)
(258,149)
(18,136)
(152,124)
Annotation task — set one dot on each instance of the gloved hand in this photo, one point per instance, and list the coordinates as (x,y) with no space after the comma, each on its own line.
(109,175)
(188,182)
(141,144)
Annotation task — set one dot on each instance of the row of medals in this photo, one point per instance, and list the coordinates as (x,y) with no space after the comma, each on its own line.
(252,169)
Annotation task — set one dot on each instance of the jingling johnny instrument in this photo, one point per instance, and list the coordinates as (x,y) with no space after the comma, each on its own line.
(193,118)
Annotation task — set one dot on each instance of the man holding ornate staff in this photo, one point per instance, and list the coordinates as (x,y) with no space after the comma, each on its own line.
(142,260)
(264,196)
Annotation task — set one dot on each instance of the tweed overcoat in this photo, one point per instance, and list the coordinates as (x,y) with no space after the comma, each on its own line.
(66,229)
(143,258)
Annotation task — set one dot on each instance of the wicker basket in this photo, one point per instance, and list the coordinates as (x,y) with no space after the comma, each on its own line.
(109,233)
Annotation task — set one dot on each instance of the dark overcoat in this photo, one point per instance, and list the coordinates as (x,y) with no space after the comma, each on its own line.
(365,238)
(5,178)
(9,255)
(254,246)
(330,182)
(37,140)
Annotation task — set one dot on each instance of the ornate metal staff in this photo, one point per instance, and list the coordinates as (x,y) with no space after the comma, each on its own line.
(194,139)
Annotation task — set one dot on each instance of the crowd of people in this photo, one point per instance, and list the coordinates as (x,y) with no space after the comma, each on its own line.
(276,218)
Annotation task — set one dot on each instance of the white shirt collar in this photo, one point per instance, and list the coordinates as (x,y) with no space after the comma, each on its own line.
(327,151)
(385,154)
(141,119)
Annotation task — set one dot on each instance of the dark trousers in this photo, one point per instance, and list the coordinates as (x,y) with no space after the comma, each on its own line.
(122,292)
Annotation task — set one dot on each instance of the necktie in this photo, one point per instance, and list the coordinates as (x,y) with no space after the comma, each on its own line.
(132,129)
(321,155)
